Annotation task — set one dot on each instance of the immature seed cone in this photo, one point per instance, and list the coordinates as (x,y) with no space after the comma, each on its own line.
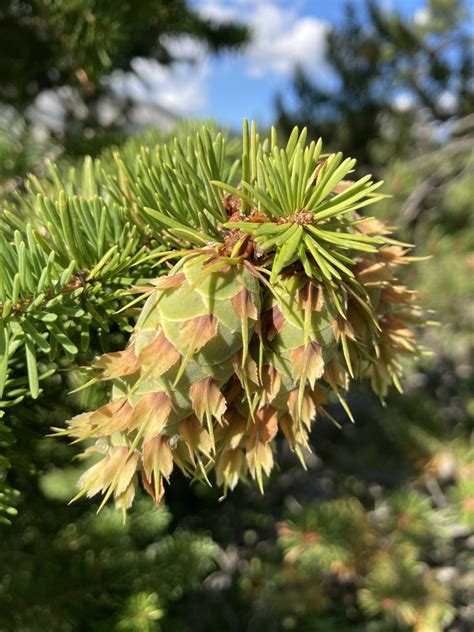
(191,337)
(254,332)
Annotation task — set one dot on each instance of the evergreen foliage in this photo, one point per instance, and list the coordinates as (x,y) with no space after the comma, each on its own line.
(68,51)
(390,496)
(292,283)
(46,44)
(65,264)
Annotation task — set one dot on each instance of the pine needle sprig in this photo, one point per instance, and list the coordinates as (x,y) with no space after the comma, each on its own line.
(281,294)
(303,205)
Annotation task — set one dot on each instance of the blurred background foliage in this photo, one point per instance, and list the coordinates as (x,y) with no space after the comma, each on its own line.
(377,534)
(70,47)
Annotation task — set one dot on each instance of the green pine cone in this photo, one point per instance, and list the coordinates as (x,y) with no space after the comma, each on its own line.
(281,295)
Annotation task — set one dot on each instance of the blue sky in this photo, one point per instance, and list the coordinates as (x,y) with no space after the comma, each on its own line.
(229,87)
(246,84)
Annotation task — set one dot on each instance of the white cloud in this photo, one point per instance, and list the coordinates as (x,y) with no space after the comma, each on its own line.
(216,11)
(281,39)
(403,102)
(50,106)
(178,87)
(421,17)
(48,111)
(447,102)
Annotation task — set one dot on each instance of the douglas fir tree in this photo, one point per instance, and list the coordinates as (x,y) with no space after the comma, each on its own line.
(279,294)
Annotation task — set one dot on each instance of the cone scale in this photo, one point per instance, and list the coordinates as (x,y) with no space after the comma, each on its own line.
(289,296)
